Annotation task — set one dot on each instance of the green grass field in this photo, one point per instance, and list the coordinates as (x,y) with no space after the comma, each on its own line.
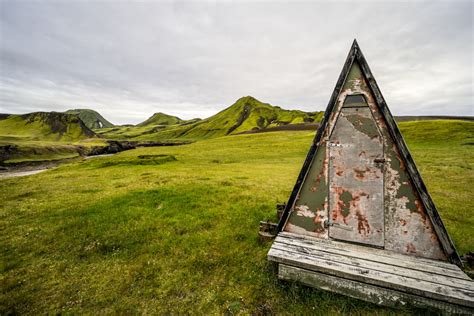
(173,230)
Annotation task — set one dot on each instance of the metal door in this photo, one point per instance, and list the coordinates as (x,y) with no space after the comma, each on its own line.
(356,176)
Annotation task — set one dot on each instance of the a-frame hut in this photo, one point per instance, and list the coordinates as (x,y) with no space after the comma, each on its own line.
(359,220)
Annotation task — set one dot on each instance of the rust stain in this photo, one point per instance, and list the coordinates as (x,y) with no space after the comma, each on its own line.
(362,224)
(420,209)
(321,173)
(400,160)
(319,223)
(360,174)
(411,248)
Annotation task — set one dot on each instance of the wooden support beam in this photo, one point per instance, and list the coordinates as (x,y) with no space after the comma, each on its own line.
(363,291)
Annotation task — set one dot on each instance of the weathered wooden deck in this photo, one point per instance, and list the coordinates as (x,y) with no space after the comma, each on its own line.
(374,275)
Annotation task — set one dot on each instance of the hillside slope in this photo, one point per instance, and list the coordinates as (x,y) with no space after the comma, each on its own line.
(43,126)
(161,119)
(411,118)
(91,118)
(428,132)
(246,114)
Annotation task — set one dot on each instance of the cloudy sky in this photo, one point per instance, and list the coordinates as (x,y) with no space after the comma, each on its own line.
(128,60)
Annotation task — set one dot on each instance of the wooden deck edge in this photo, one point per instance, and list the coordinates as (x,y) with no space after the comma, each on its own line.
(397,283)
(384,252)
(377,256)
(366,292)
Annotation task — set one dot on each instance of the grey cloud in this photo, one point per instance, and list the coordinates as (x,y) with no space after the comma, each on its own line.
(131,59)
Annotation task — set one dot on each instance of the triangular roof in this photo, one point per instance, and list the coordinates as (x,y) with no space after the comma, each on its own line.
(355,55)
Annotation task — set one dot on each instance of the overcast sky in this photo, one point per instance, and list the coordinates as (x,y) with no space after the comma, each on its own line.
(128,60)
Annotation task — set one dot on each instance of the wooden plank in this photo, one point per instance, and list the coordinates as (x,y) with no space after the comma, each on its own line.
(363,291)
(396,282)
(377,255)
(363,250)
(378,251)
(377,266)
(430,263)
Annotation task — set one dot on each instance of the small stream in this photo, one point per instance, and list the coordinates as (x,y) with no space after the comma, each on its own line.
(96,156)
(12,174)
(40,168)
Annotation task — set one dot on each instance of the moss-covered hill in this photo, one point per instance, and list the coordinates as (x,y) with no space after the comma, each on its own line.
(161,119)
(43,126)
(91,118)
(246,114)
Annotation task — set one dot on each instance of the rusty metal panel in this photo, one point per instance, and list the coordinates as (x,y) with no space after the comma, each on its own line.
(408,222)
(309,213)
(408,229)
(356,178)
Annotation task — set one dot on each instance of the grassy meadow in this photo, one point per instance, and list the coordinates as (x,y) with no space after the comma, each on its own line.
(173,230)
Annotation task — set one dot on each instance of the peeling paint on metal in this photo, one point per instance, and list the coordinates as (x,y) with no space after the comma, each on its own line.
(405,227)
(312,200)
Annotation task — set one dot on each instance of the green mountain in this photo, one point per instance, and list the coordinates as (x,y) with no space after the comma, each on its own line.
(246,114)
(161,119)
(43,126)
(91,118)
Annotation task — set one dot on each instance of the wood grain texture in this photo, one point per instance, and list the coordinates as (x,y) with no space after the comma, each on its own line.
(460,296)
(430,279)
(378,266)
(373,254)
(363,291)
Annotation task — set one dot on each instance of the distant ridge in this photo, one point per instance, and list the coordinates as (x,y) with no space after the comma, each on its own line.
(246,114)
(91,118)
(408,118)
(161,119)
(49,126)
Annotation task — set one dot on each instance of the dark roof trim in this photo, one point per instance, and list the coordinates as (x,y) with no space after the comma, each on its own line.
(355,54)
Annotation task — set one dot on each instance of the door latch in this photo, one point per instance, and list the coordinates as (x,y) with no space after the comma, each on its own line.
(327,223)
